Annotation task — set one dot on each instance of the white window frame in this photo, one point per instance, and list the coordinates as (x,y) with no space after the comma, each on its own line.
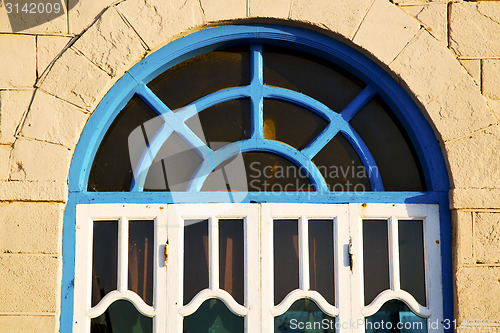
(259,308)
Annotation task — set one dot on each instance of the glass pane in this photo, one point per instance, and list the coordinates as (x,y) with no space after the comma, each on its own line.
(195,258)
(140,259)
(286,258)
(123,317)
(321,254)
(310,75)
(391,148)
(411,258)
(395,316)
(104,259)
(202,75)
(173,166)
(111,169)
(290,123)
(213,316)
(261,172)
(341,167)
(223,123)
(232,258)
(304,316)
(375,258)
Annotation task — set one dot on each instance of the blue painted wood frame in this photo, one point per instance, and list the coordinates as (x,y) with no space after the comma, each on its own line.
(378,82)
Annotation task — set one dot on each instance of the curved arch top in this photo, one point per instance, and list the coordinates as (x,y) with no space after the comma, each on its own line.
(209,39)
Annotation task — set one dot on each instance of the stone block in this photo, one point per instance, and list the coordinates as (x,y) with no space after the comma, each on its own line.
(426,66)
(473,67)
(491,77)
(13,105)
(473,160)
(4,162)
(42,22)
(275,9)
(434,18)
(35,160)
(75,79)
(17,61)
(31,227)
(475,29)
(53,120)
(216,10)
(487,234)
(339,16)
(47,48)
(494,107)
(52,191)
(157,21)
(478,292)
(29,283)
(459,109)
(474,198)
(111,44)
(382,20)
(83,13)
(27,324)
(463,239)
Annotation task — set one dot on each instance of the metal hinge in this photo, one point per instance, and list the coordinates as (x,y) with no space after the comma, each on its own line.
(165,252)
(351,262)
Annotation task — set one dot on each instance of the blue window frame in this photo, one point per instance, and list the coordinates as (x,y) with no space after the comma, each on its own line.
(378,82)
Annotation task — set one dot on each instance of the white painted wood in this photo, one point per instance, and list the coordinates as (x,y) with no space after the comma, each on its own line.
(309,294)
(301,212)
(116,295)
(401,295)
(394,277)
(85,215)
(206,294)
(259,308)
(122,271)
(213,257)
(303,253)
(357,290)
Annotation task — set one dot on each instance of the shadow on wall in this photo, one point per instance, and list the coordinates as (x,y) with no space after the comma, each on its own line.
(25,14)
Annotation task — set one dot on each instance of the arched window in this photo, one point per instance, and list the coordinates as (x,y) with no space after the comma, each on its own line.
(256,178)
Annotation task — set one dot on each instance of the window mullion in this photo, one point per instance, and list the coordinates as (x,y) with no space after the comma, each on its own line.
(304,283)
(213,244)
(394,254)
(122,273)
(256,90)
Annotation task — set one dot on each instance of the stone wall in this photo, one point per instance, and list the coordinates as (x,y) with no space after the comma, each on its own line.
(53,74)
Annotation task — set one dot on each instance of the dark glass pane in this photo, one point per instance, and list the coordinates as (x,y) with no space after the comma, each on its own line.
(213,316)
(290,123)
(321,254)
(140,259)
(104,259)
(375,258)
(395,317)
(341,167)
(195,258)
(122,317)
(310,75)
(173,166)
(111,169)
(411,258)
(256,172)
(286,258)
(202,75)
(304,316)
(223,123)
(232,258)
(391,148)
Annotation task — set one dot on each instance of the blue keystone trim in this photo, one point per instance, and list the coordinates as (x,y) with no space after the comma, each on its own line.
(378,83)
